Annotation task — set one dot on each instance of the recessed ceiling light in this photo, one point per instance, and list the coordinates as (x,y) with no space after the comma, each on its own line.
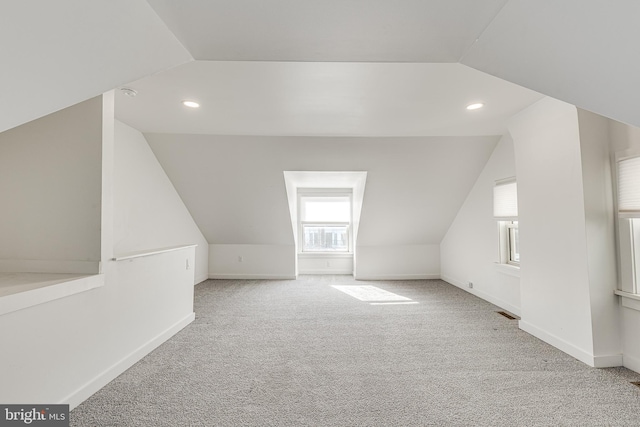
(129,92)
(475,106)
(190,104)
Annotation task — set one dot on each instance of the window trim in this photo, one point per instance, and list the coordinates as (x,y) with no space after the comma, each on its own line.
(504,235)
(627,234)
(511,225)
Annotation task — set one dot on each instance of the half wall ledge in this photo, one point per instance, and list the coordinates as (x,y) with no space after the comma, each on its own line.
(22,290)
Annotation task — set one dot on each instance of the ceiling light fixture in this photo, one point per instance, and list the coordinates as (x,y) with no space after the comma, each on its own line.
(475,106)
(190,104)
(129,92)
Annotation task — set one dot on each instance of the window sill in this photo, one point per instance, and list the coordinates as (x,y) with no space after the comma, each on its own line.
(629,300)
(325,255)
(22,290)
(508,269)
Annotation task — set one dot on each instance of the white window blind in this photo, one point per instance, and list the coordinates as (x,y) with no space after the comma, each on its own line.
(629,187)
(326,209)
(505,200)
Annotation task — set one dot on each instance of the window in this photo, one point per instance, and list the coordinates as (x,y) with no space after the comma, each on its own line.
(505,210)
(325,238)
(628,177)
(325,222)
(513,243)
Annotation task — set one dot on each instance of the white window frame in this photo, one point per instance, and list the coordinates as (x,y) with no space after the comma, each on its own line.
(506,223)
(628,236)
(512,225)
(506,245)
(325,192)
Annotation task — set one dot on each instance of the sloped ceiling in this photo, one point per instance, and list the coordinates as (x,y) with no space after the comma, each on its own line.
(235,190)
(58,53)
(581,52)
(328,30)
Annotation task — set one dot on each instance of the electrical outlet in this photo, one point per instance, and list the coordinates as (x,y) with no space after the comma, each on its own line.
(470,285)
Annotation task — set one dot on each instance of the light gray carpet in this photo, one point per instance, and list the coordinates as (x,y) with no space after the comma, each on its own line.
(300,353)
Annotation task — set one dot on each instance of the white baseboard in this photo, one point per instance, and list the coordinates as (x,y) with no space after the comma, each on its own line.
(374,277)
(610,361)
(631,362)
(108,375)
(200,279)
(252,276)
(325,271)
(49,266)
(490,298)
(559,343)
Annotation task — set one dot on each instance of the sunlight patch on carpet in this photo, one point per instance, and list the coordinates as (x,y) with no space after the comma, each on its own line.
(370,293)
(394,303)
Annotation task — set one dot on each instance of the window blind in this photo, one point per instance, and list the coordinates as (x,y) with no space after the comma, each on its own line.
(325,209)
(505,200)
(629,187)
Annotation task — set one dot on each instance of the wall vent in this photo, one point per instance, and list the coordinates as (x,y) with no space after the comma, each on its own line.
(507,315)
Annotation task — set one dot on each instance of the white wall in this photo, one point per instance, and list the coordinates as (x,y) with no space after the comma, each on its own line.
(398,262)
(309,263)
(149,213)
(560,211)
(600,233)
(87,339)
(234,188)
(62,351)
(469,251)
(50,186)
(252,261)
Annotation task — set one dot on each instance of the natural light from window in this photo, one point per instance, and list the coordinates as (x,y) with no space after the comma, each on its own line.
(325,222)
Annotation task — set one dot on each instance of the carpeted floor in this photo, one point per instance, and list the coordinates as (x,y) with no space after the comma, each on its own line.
(302,353)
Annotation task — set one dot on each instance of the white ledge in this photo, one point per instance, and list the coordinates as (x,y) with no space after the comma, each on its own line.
(629,300)
(325,254)
(139,254)
(509,269)
(22,290)
(627,295)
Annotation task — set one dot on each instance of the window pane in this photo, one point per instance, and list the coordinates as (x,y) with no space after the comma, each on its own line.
(514,243)
(318,238)
(326,209)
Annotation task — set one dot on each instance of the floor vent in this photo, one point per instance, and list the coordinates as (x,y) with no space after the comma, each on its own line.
(507,315)
(636,383)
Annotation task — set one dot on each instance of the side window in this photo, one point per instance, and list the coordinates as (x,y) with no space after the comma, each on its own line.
(628,201)
(505,211)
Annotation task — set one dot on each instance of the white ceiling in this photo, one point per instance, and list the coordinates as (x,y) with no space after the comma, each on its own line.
(328,30)
(331,68)
(322,99)
(581,52)
(58,53)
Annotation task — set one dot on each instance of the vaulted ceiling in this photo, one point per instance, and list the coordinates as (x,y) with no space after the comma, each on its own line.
(318,71)
(328,30)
